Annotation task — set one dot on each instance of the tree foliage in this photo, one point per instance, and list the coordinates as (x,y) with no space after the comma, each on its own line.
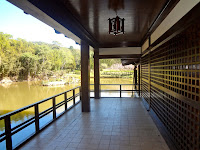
(19,58)
(110,62)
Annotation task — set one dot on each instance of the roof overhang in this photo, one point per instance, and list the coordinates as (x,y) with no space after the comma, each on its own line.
(82,20)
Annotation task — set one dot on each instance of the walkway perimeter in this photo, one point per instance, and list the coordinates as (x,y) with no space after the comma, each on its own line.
(112,124)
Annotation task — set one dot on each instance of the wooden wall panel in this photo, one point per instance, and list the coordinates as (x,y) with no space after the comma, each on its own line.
(173,89)
(145,76)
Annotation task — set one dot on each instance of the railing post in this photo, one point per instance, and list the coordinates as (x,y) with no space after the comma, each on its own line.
(54,108)
(80,92)
(120,90)
(8,133)
(74,102)
(65,97)
(99,90)
(37,126)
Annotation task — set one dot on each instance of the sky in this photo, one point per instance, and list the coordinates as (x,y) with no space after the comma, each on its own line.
(20,25)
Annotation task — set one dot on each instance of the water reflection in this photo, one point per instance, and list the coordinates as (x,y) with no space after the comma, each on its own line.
(16,119)
(18,95)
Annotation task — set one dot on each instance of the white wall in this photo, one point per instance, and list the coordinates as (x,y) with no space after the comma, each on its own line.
(120,50)
(180,10)
(145,45)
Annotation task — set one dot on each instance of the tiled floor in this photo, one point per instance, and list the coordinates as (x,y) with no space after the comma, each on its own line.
(112,124)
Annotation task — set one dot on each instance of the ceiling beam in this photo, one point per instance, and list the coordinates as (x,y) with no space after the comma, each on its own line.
(119,44)
(30,9)
(130,61)
(190,18)
(170,4)
(120,56)
(61,14)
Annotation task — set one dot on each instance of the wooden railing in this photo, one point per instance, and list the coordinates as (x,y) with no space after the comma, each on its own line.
(9,132)
(119,88)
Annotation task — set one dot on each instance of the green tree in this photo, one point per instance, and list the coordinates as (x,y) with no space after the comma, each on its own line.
(29,65)
(21,58)
(77,57)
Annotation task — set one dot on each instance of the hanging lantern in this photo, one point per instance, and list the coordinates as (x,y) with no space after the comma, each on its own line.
(116,26)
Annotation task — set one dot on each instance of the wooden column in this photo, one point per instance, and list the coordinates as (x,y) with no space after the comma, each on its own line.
(135,75)
(96,74)
(85,77)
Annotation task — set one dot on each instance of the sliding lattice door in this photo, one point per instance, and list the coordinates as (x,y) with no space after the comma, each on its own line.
(170,84)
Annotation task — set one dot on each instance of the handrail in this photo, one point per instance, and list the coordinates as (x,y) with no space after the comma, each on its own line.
(32,105)
(46,99)
(117,84)
(115,90)
(9,131)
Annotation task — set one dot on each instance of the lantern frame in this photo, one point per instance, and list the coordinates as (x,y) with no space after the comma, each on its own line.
(116,25)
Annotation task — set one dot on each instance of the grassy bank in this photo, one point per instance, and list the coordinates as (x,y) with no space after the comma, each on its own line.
(107,74)
(116,74)
(75,76)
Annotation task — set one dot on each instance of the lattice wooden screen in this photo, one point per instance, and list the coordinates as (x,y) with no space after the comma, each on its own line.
(170,83)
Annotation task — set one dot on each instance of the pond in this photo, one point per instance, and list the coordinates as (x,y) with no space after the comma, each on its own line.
(21,94)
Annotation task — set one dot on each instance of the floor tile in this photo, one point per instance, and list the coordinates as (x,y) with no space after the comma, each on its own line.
(112,124)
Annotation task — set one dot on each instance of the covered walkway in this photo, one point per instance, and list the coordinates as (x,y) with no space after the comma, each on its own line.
(112,124)
(161,38)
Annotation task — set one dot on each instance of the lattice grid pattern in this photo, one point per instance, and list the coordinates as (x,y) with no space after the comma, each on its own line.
(170,84)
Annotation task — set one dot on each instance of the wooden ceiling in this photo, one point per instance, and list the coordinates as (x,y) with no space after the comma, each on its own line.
(88,19)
